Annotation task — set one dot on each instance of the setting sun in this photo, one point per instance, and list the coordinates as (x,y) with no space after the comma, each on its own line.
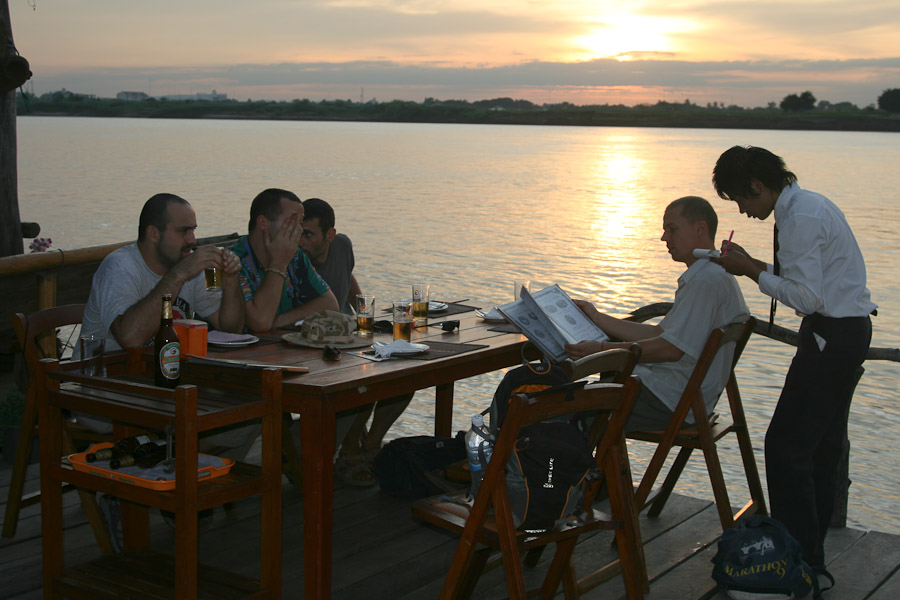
(620,36)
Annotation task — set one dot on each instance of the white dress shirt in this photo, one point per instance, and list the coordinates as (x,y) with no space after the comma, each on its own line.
(822,268)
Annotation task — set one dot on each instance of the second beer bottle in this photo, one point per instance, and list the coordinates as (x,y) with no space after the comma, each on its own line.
(166,349)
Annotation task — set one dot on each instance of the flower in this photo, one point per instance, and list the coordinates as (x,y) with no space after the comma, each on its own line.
(40,244)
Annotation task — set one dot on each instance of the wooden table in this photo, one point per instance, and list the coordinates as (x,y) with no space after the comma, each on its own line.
(331,387)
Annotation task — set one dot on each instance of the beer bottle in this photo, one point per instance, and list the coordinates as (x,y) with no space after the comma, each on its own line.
(146,455)
(166,349)
(122,447)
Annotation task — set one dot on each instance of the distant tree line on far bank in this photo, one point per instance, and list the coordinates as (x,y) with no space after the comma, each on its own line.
(796,111)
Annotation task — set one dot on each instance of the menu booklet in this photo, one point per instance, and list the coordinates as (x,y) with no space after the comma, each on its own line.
(550,319)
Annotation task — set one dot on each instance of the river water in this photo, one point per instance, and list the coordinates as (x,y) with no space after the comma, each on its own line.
(469,208)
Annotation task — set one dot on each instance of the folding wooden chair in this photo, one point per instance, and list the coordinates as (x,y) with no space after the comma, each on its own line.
(703,435)
(616,364)
(36,334)
(489,522)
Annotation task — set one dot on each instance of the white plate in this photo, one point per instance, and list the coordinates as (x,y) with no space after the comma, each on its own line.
(436,306)
(230,340)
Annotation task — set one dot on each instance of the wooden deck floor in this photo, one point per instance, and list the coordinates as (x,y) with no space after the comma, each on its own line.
(381,552)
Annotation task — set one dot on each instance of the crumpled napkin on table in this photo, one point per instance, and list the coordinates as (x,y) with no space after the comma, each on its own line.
(383,350)
(491,315)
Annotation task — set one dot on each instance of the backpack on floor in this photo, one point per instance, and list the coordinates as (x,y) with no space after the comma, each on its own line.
(762,557)
(410,467)
(552,461)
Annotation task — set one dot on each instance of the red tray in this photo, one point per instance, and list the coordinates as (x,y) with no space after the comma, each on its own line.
(79,463)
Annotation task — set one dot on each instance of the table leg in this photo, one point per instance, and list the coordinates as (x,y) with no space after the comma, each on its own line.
(317,421)
(443,410)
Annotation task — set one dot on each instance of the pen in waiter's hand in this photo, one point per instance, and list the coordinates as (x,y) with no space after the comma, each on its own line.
(728,243)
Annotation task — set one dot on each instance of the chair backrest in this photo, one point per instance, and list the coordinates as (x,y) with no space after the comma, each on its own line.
(611,404)
(718,338)
(618,361)
(36,332)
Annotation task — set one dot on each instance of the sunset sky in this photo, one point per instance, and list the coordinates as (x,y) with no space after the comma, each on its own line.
(746,52)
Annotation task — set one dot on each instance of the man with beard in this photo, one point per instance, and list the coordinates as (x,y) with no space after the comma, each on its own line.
(126,300)
(126,292)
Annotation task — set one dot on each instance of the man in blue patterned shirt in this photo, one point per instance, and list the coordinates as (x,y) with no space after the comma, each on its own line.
(279,284)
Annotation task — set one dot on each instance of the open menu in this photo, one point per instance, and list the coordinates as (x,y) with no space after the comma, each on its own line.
(550,319)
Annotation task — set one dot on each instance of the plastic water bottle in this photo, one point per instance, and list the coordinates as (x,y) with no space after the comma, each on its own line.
(478,444)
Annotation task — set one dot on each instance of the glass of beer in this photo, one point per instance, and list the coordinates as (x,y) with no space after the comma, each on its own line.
(365,314)
(402,311)
(215,278)
(420,292)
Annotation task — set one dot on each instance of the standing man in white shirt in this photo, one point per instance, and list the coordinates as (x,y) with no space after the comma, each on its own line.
(819,272)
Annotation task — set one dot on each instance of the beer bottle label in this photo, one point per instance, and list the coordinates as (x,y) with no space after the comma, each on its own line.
(170,360)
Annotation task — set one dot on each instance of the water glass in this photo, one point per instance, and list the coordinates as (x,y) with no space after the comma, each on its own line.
(518,284)
(402,311)
(420,297)
(365,314)
(91,348)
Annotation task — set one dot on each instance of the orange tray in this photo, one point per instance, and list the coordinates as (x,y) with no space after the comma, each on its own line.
(79,463)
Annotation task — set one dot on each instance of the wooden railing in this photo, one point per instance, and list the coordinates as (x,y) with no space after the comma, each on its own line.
(775,332)
(31,282)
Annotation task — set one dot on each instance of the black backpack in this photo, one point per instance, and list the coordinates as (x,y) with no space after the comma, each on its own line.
(552,460)
(410,467)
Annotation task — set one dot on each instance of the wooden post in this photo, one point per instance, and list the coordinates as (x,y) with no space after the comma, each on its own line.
(10,226)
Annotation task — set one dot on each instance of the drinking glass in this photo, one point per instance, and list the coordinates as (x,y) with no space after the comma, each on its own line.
(215,278)
(365,314)
(420,294)
(402,311)
(518,284)
(91,348)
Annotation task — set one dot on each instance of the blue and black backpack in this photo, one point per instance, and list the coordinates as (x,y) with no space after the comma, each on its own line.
(762,557)
(552,461)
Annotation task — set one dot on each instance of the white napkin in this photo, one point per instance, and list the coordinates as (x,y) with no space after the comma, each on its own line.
(223,337)
(493,315)
(383,350)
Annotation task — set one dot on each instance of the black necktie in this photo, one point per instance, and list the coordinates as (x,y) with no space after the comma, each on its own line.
(777,272)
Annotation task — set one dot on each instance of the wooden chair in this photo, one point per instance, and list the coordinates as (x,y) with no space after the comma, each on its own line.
(617,364)
(489,522)
(36,334)
(703,435)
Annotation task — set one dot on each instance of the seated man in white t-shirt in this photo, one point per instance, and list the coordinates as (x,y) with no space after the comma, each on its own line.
(126,294)
(707,297)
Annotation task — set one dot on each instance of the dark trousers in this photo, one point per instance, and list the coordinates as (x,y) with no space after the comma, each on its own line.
(806,436)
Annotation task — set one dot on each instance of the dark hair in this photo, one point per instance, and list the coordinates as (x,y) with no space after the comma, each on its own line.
(316,208)
(268,204)
(739,165)
(695,208)
(156,213)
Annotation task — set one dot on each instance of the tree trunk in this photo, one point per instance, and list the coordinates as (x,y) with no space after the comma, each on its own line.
(10,225)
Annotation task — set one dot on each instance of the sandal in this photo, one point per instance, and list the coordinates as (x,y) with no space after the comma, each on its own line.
(355,470)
